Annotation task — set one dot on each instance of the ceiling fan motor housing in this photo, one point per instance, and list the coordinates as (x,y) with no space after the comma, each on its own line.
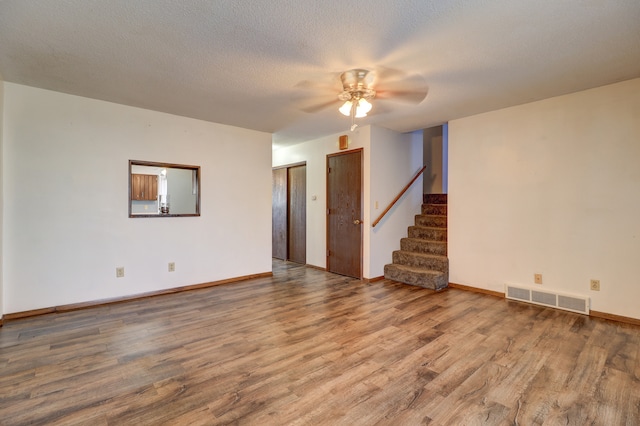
(356,85)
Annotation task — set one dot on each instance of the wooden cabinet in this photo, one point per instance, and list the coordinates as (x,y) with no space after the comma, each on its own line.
(144,187)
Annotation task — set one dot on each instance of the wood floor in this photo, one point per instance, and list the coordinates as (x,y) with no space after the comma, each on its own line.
(308,347)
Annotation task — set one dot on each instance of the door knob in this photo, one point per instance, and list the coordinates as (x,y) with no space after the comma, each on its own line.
(357,222)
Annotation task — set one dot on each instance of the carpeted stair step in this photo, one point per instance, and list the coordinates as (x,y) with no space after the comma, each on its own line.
(421,260)
(435,198)
(435,209)
(418,245)
(428,233)
(426,278)
(430,220)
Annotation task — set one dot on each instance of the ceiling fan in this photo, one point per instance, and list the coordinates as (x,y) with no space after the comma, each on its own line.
(360,87)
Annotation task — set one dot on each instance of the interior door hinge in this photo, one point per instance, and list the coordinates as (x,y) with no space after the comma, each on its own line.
(328,253)
(328,169)
(328,211)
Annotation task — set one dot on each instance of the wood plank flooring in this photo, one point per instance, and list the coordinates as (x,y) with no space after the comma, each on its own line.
(306,347)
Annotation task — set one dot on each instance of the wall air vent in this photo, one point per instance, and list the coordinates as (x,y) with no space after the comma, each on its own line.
(552,299)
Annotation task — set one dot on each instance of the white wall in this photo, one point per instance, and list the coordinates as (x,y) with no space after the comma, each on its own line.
(1,194)
(65,195)
(434,160)
(395,159)
(390,159)
(445,158)
(550,187)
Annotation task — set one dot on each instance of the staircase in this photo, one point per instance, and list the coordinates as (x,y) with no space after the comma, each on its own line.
(422,258)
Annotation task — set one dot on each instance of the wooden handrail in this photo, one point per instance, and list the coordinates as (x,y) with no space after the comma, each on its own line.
(395,200)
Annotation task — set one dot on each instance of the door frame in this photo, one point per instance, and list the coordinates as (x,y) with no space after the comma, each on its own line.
(335,154)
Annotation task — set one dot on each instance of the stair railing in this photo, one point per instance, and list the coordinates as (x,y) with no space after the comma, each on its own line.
(395,200)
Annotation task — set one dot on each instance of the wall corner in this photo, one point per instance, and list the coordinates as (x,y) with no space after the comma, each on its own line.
(2,100)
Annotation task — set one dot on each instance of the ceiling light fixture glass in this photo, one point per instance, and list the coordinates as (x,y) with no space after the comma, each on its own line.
(362,108)
(345,109)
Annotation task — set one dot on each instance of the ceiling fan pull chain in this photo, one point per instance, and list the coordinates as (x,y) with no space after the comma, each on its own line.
(354,105)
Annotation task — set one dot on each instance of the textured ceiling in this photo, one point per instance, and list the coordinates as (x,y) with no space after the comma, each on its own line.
(238,62)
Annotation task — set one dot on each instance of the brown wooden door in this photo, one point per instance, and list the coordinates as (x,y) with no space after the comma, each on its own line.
(289,214)
(344,213)
(279,219)
(297,213)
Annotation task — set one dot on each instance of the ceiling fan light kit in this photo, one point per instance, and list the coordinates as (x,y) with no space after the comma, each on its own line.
(362,107)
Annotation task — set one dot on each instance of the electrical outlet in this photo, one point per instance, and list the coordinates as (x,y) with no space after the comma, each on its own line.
(537,278)
(120,272)
(595,285)
(172,266)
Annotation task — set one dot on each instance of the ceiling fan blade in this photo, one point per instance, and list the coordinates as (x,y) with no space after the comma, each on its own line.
(316,86)
(313,96)
(411,89)
(383,74)
(410,97)
(316,104)
(379,108)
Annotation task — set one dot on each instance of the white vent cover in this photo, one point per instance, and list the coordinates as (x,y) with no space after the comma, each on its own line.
(567,302)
